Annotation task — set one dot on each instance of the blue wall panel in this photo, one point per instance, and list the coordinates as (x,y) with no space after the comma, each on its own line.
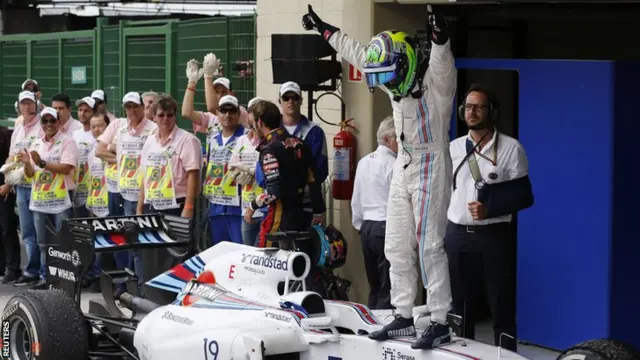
(566,127)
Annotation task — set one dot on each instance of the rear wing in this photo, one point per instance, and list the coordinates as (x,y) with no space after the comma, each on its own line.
(70,251)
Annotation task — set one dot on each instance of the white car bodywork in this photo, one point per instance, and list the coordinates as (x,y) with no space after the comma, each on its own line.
(234,311)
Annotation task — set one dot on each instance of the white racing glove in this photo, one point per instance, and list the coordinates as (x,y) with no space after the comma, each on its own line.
(210,65)
(193,73)
(244,168)
(244,178)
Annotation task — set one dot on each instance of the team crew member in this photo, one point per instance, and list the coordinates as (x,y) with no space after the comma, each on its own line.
(207,122)
(21,139)
(62,104)
(420,79)
(244,160)
(288,168)
(312,134)
(369,211)
(130,136)
(220,186)
(50,163)
(171,160)
(97,198)
(85,143)
(480,246)
(102,105)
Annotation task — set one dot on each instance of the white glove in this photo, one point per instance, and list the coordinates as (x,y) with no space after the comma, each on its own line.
(193,73)
(210,65)
(244,178)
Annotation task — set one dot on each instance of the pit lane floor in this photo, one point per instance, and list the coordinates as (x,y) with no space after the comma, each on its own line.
(484,332)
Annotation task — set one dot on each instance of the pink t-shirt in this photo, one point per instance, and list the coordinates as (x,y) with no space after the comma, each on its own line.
(25,134)
(61,149)
(185,155)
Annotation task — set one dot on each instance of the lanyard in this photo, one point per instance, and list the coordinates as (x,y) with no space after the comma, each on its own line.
(473,163)
(493,161)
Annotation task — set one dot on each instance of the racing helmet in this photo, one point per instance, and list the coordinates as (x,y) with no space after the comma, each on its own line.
(329,247)
(391,61)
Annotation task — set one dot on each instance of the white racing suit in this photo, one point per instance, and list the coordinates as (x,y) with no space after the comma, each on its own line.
(421,183)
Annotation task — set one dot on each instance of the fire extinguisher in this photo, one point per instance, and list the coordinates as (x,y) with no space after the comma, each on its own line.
(344,162)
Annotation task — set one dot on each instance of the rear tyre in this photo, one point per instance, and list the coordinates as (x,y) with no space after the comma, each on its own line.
(44,325)
(601,349)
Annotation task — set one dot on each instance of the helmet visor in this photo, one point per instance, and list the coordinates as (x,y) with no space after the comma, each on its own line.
(375,79)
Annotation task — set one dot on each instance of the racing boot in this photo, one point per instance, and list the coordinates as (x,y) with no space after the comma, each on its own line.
(434,335)
(399,327)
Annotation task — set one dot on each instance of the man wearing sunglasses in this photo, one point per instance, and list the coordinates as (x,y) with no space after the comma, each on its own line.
(419,76)
(220,186)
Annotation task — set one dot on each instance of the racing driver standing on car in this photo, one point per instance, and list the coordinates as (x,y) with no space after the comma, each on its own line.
(419,75)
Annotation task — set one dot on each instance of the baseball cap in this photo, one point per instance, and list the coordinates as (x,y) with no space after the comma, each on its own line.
(223,81)
(29,81)
(133,97)
(86,100)
(254,101)
(27,95)
(98,94)
(49,111)
(228,100)
(290,86)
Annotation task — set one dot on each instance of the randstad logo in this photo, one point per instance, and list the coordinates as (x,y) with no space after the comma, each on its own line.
(265,261)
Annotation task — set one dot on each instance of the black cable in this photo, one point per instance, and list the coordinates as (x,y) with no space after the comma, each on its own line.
(316,107)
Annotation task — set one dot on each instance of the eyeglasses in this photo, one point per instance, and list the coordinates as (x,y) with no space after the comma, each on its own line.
(286,98)
(165,115)
(48,121)
(229,110)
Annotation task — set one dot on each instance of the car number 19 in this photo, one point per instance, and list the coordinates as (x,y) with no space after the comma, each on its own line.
(211,349)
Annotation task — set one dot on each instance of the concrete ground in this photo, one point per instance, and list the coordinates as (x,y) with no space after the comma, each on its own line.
(483,331)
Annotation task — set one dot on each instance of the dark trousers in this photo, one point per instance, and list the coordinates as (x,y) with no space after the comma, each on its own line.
(10,244)
(484,255)
(376,264)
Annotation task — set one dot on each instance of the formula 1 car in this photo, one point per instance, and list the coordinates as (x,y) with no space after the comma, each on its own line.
(232,302)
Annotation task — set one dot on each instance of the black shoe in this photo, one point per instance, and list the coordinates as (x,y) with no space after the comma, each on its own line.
(11,277)
(23,280)
(434,335)
(41,284)
(399,327)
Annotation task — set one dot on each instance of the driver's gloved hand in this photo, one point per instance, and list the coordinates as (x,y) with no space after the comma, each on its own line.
(439,27)
(311,20)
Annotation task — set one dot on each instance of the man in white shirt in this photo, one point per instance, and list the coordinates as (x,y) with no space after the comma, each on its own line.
(369,211)
(482,249)
(84,142)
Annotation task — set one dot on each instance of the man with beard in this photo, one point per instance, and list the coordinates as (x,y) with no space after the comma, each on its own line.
(479,241)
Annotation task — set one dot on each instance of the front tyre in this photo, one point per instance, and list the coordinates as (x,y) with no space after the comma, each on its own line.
(601,349)
(44,325)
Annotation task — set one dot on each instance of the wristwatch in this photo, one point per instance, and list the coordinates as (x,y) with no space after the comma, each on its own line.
(42,164)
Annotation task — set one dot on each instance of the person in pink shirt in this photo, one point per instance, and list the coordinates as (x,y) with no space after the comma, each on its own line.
(62,104)
(171,160)
(130,136)
(50,162)
(21,139)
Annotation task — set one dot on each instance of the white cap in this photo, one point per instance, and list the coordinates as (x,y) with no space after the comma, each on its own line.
(98,94)
(27,95)
(290,86)
(254,101)
(228,100)
(26,82)
(49,111)
(133,97)
(223,81)
(86,100)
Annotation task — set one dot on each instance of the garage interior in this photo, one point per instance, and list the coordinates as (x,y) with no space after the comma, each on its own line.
(531,31)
